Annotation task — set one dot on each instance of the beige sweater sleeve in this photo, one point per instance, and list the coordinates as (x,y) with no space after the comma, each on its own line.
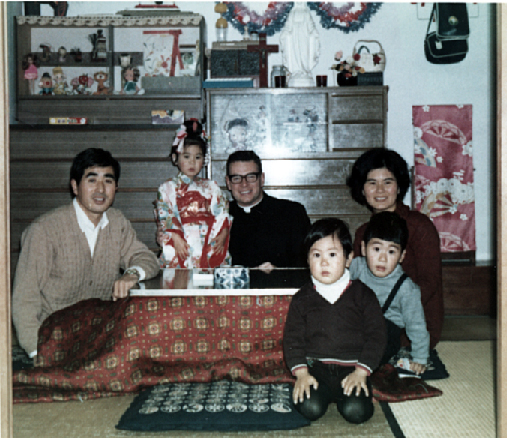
(32,274)
(136,253)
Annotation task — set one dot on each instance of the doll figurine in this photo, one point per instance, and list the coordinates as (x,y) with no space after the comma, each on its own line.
(130,77)
(29,65)
(46,84)
(59,84)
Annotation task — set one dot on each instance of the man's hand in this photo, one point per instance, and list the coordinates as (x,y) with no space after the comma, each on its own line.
(122,286)
(302,386)
(219,241)
(355,380)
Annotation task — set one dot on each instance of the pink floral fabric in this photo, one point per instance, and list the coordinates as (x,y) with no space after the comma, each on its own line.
(443,170)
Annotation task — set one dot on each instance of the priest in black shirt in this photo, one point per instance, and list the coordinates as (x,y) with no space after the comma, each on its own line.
(266,232)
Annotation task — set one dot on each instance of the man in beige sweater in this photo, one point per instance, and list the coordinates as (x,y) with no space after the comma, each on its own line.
(78,251)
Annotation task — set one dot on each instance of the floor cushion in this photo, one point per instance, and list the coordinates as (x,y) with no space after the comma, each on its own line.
(217,406)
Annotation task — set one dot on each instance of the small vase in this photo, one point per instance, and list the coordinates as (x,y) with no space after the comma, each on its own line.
(343,81)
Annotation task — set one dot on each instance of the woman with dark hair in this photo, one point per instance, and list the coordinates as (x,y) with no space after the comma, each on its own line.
(380,180)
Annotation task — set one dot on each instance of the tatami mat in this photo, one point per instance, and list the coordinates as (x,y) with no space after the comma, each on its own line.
(97,418)
(467,407)
(465,410)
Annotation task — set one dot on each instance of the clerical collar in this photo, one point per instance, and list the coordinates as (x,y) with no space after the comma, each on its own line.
(249,208)
(331,292)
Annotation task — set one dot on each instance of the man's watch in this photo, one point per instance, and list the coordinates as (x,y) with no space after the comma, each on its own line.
(133,271)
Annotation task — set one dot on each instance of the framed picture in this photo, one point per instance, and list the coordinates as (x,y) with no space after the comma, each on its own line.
(267,123)
(171,117)
(189,57)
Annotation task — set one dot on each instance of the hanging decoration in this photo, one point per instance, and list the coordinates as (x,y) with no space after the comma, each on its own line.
(444,172)
(270,22)
(347,17)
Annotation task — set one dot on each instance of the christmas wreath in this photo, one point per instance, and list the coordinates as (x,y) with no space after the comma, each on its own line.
(270,22)
(347,17)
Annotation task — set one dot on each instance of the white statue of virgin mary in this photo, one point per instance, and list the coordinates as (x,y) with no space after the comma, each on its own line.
(300,45)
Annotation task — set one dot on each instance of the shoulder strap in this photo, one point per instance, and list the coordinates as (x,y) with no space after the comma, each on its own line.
(393,293)
(433,12)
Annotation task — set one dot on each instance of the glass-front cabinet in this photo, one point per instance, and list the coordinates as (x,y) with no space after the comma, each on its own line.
(109,69)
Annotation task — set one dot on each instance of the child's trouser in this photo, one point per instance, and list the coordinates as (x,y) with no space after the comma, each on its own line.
(393,341)
(354,409)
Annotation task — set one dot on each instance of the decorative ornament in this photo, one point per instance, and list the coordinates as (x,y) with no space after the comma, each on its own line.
(179,140)
(245,19)
(346,17)
(221,24)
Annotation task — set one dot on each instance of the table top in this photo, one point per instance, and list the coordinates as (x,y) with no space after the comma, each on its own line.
(191,282)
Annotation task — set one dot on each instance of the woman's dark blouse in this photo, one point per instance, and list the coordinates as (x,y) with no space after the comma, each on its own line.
(423,265)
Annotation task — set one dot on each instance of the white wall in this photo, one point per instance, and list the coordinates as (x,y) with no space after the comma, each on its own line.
(411,80)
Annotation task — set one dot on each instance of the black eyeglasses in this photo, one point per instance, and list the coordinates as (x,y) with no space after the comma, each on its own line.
(249,177)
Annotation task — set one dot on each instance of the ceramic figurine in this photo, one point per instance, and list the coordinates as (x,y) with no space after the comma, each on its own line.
(98,40)
(46,52)
(85,83)
(130,78)
(81,84)
(62,54)
(29,65)
(300,45)
(46,84)
(78,55)
(59,84)
(58,81)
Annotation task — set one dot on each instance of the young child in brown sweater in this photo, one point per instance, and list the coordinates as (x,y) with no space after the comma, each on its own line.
(334,333)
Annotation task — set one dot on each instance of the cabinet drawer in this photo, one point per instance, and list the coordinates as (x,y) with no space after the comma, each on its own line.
(353,108)
(356,136)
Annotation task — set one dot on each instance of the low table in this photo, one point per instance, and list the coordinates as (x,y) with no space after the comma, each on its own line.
(193,282)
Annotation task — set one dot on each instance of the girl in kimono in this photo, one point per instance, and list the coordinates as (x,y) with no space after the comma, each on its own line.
(192,212)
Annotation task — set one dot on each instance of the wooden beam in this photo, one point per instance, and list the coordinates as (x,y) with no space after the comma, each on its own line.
(6,429)
(501,220)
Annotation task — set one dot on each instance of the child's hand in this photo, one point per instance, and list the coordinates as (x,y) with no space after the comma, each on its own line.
(303,383)
(357,380)
(219,241)
(417,367)
(181,247)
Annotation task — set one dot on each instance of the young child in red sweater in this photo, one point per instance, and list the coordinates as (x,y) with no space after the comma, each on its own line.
(334,333)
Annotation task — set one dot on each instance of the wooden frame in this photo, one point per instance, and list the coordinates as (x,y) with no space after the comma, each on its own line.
(6,429)
(501,178)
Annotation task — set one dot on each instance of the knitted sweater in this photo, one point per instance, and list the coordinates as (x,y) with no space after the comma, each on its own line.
(423,265)
(55,268)
(350,332)
(405,311)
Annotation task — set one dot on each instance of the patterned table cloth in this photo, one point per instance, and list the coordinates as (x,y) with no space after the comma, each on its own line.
(101,349)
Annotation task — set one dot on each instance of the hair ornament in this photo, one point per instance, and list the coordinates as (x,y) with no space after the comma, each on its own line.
(179,140)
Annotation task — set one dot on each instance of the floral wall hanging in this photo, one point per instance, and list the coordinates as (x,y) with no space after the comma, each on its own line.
(444,172)
(269,22)
(346,17)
